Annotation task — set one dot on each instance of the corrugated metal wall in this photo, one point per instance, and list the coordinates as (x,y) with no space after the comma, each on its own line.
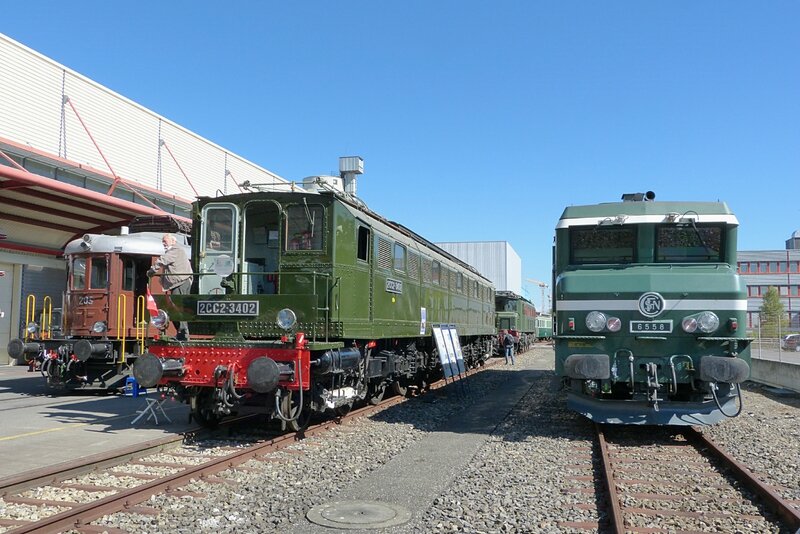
(31,103)
(496,260)
(43,282)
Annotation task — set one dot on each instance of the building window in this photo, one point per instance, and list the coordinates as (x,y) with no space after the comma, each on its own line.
(784,291)
(762,267)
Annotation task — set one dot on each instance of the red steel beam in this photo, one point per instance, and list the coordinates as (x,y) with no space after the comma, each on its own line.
(73,202)
(38,208)
(35,180)
(29,248)
(41,223)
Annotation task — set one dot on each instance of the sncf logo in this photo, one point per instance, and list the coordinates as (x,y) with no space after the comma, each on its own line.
(651,304)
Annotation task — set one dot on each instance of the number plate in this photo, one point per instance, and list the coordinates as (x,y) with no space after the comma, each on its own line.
(228,307)
(649,327)
(394,286)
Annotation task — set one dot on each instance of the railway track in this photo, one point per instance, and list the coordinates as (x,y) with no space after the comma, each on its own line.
(72,495)
(657,480)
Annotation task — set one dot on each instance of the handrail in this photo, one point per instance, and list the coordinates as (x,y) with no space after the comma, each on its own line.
(122,304)
(47,317)
(141,325)
(30,315)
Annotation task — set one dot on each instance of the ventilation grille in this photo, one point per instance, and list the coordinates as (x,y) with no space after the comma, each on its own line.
(384,254)
(413,266)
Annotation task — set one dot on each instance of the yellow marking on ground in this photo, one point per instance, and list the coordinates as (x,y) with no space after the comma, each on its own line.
(27,434)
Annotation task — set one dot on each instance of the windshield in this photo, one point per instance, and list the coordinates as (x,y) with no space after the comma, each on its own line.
(304,228)
(689,243)
(598,244)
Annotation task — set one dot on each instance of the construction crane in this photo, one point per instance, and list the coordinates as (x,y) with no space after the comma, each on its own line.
(543,287)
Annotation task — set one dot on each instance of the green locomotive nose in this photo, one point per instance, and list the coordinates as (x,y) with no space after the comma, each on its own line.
(648,306)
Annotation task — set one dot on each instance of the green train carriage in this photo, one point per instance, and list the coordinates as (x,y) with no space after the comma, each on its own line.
(516,315)
(648,309)
(544,327)
(310,298)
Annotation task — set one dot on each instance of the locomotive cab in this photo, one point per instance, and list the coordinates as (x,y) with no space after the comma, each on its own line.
(648,308)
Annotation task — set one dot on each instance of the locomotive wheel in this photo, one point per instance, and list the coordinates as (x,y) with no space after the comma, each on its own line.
(204,411)
(290,405)
(376,393)
(399,388)
(423,383)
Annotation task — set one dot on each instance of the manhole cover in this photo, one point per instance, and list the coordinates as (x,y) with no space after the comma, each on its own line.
(358,514)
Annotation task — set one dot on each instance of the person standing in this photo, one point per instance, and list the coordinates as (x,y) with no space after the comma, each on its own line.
(177,277)
(508,343)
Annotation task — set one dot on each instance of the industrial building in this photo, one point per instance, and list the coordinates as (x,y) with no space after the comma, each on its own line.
(762,269)
(77,157)
(496,260)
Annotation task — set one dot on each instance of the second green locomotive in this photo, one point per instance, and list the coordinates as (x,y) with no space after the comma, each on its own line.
(650,312)
(314,302)
(517,316)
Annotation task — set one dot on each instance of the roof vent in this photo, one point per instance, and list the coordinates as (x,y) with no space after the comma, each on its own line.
(349,168)
(317,184)
(638,197)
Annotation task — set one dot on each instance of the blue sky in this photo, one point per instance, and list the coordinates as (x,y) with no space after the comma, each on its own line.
(478,121)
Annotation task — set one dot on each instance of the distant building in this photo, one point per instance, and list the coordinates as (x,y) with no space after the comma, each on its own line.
(793,243)
(495,260)
(762,269)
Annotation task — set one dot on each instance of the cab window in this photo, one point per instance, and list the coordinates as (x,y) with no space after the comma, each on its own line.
(598,244)
(79,273)
(99,278)
(304,227)
(218,227)
(689,243)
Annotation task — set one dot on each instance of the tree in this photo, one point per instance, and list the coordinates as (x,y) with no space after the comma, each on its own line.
(773,316)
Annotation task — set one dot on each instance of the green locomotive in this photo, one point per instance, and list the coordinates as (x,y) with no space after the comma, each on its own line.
(650,311)
(516,315)
(307,298)
(544,327)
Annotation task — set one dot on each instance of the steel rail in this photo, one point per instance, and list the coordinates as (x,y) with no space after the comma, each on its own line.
(71,468)
(82,515)
(773,501)
(616,517)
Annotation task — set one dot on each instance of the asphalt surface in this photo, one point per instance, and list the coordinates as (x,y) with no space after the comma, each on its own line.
(40,429)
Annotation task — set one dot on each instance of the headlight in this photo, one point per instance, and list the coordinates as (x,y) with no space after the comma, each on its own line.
(614,324)
(161,320)
(689,324)
(596,321)
(32,328)
(286,318)
(707,322)
(99,327)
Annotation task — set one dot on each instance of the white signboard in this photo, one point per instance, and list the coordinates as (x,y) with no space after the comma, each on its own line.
(457,349)
(447,355)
